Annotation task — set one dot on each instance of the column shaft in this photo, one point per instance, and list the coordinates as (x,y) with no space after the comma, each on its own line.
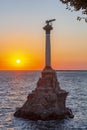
(48,50)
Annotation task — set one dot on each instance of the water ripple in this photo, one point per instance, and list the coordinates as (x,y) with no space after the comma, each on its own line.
(16,85)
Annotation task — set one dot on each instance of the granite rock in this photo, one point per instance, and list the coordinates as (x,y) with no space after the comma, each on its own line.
(47,101)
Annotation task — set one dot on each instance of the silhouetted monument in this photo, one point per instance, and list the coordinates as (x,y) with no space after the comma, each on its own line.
(48,100)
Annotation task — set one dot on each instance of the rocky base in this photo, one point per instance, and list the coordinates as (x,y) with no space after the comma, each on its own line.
(47,101)
(53,116)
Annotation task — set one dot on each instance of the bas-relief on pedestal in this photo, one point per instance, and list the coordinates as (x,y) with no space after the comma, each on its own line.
(48,100)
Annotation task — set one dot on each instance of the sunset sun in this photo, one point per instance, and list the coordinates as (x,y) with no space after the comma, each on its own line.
(18,61)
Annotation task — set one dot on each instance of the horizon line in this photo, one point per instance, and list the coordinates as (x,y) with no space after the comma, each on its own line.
(42,69)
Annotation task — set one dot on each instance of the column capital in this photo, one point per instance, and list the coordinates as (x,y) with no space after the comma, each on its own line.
(48,28)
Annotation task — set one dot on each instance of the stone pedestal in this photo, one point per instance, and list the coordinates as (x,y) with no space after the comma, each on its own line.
(47,101)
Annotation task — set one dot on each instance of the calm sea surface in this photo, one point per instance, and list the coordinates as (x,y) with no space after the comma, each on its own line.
(16,85)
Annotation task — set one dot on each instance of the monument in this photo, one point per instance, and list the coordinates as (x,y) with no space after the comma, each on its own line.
(48,100)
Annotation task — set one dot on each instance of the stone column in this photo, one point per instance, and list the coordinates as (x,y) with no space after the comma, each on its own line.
(48,51)
(48,29)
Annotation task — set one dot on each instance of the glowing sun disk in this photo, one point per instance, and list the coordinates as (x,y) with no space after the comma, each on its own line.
(18,61)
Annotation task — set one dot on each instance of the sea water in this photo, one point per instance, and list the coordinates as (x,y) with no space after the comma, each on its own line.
(15,87)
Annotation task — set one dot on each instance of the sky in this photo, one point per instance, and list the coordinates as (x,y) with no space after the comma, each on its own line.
(22,38)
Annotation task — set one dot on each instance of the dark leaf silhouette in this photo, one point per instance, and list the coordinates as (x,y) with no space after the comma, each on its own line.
(77,5)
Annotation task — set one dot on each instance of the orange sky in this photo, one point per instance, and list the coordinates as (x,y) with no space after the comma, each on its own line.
(31,52)
(22,36)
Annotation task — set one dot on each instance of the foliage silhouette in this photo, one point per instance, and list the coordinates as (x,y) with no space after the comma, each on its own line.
(77,5)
